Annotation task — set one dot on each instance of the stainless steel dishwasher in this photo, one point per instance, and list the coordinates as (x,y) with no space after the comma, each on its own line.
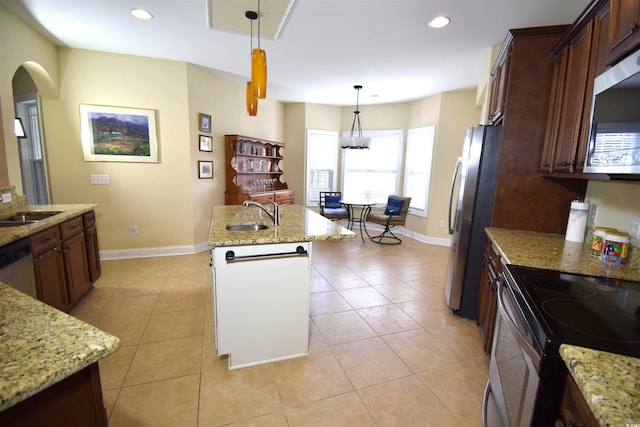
(16,266)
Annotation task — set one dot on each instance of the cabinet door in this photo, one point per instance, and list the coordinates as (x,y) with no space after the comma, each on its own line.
(574,410)
(499,81)
(625,29)
(555,108)
(573,102)
(93,253)
(51,283)
(75,263)
(487,297)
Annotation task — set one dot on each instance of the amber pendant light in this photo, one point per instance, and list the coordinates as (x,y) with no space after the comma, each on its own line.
(258,60)
(252,101)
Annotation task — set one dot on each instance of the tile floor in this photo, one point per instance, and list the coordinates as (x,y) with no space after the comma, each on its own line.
(384,349)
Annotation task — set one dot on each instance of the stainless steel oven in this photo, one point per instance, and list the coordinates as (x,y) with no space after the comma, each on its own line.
(521,387)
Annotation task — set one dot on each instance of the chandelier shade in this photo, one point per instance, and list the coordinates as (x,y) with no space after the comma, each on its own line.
(259,73)
(252,101)
(355,140)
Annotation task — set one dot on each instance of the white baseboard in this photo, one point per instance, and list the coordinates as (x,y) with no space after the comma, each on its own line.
(201,247)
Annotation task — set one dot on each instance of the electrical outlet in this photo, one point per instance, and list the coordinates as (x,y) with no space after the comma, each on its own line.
(100,179)
(635,227)
(443,224)
(6,197)
(593,215)
(133,229)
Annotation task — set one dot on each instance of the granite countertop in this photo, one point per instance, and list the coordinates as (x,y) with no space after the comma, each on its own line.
(609,382)
(298,224)
(552,252)
(40,346)
(10,234)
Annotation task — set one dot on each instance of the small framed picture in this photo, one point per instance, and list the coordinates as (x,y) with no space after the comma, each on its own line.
(206,143)
(205,169)
(205,122)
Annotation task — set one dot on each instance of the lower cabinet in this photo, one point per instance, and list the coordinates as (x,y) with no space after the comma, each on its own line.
(487,296)
(65,265)
(574,410)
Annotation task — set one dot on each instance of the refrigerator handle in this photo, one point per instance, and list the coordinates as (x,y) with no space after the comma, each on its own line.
(451,195)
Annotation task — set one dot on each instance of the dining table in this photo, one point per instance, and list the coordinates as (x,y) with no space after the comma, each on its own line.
(365,207)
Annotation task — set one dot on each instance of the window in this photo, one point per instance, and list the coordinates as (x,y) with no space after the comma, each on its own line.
(417,173)
(373,173)
(322,163)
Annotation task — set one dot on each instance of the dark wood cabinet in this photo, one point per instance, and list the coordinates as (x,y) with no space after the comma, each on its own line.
(253,171)
(624,36)
(487,296)
(499,77)
(574,410)
(578,60)
(93,252)
(62,261)
(519,185)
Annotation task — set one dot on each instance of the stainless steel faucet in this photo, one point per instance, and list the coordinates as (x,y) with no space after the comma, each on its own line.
(275,215)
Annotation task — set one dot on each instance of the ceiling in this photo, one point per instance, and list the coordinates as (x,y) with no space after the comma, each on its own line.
(317,50)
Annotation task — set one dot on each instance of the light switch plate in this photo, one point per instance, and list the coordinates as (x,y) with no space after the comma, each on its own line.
(100,179)
(6,197)
(593,215)
(635,227)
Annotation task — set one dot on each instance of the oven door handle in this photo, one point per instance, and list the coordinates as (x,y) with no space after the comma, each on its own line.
(485,403)
(524,343)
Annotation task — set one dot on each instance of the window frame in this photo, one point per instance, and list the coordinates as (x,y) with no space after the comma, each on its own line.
(309,199)
(411,134)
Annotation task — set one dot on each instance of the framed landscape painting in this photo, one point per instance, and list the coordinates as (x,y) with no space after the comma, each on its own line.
(118,134)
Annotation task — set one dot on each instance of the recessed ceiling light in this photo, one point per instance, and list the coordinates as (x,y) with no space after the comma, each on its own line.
(141,14)
(439,22)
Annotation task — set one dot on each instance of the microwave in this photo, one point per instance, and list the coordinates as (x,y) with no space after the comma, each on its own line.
(614,139)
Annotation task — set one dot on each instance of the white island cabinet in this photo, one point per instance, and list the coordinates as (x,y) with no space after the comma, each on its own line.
(261,302)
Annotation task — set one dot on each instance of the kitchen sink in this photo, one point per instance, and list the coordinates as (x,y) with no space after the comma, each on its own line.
(246,227)
(23,218)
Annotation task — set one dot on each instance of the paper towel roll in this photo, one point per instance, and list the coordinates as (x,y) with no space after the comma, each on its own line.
(577,223)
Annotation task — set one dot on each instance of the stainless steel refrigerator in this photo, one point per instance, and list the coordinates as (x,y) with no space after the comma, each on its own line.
(470,205)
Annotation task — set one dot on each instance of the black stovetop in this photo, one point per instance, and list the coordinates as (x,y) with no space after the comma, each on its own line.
(587,311)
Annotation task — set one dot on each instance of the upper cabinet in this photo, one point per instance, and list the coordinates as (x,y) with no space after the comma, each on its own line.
(624,36)
(499,80)
(579,57)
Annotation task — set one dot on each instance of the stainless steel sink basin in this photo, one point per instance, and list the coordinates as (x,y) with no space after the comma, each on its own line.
(22,218)
(246,227)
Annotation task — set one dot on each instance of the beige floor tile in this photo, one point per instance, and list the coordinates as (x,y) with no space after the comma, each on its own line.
(327,302)
(460,387)
(346,280)
(113,368)
(320,284)
(230,396)
(109,398)
(429,313)
(170,300)
(181,283)
(461,338)
(160,360)
(370,362)
(315,337)
(378,277)
(343,410)
(128,329)
(420,350)
(174,324)
(310,378)
(342,327)
(399,292)
(172,402)
(364,297)
(387,319)
(277,419)
(406,402)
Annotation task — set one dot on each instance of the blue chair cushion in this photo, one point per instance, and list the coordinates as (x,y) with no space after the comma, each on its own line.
(332,202)
(394,207)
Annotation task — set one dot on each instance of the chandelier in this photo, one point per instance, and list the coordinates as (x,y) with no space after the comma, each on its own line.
(355,140)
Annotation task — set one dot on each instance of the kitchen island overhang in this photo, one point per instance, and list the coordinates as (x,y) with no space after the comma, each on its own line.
(261,282)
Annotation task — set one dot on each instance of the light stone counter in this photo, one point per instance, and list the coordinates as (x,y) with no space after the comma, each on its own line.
(10,234)
(298,224)
(40,346)
(610,383)
(552,252)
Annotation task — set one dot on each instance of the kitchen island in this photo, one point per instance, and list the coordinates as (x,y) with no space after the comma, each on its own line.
(49,364)
(609,382)
(261,281)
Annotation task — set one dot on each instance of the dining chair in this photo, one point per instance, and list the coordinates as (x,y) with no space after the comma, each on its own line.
(330,206)
(394,214)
